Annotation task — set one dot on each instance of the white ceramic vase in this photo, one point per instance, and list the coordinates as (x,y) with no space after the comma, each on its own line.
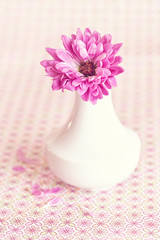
(93,149)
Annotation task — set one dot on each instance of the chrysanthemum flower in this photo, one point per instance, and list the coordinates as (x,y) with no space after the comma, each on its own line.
(87,65)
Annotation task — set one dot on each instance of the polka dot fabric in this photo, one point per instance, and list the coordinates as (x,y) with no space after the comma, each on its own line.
(33,203)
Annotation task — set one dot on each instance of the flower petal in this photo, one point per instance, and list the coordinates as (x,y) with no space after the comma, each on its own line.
(97,35)
(65,57)
(68,45)
(104,89)
(92,50)
(93,99)
(117,60)
(85,96)
(56,85)
(52,52)
(102,71)
(44,63)
(69,86)
(63,67)
(107,47)
(83,53)
(106,38)
(50,71)
(100,57)
(115,70)
(112,81)
(99,48)
(79,34)
(92,40)
(116,48)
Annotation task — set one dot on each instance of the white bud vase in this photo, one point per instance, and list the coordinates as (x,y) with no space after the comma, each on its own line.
(94,150)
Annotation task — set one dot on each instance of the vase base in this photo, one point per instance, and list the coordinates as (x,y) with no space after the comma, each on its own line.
(95,168)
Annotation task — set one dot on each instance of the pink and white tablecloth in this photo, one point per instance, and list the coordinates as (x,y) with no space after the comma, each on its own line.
(33,203)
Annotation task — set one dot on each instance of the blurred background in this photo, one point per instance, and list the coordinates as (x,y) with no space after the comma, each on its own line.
(29,108)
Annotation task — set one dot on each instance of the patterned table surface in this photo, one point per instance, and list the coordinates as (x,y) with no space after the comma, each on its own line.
(33,203)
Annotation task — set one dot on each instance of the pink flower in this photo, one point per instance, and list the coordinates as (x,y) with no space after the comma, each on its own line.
(84,223)
(66,231)
(100,223)
(151,224)
(48,230)
(151,216)
(115,232)
(32,230)
(87,65)
(82,231)
(136,223)
(50,221)
(16,230)
(52,213)
(134,232)
(35,221)
(152,233)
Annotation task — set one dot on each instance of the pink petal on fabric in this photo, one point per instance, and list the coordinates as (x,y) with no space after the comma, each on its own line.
(36,193)
(46,191)
(19,168)
(55,201)
(56,190)
(35,186)
(21,156)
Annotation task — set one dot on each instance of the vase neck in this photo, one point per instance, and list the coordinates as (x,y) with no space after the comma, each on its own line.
(95,116)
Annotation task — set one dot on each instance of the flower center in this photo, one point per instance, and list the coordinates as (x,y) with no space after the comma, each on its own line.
(87,68)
